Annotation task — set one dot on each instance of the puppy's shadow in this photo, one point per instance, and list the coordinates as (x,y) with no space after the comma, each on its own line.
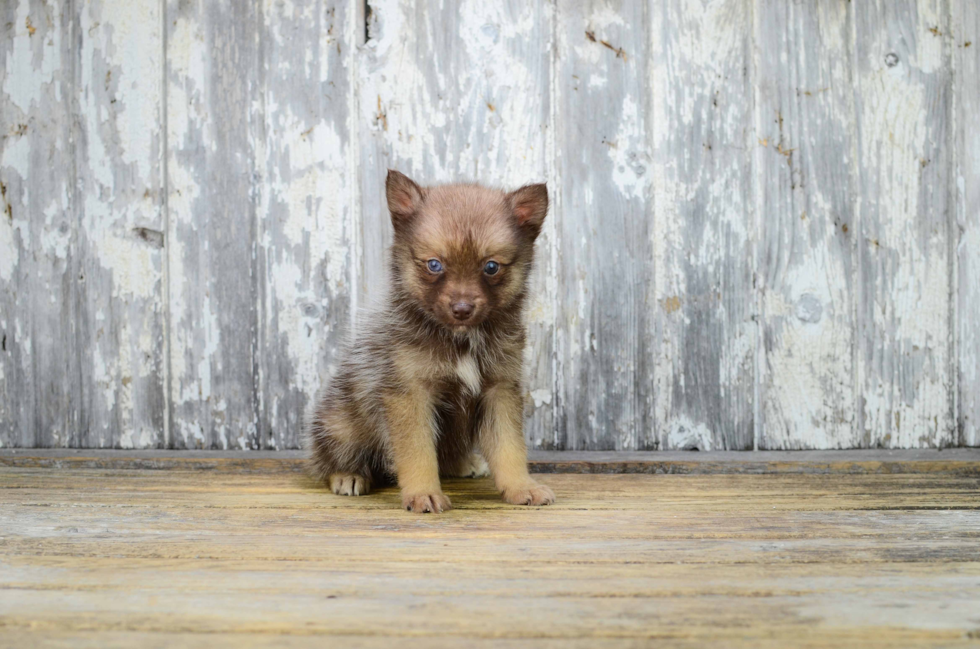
(460,490)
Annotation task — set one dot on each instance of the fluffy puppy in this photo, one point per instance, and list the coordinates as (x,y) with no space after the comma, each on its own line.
(437,371)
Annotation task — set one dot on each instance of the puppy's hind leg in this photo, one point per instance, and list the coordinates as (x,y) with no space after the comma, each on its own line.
(471,465)
(337,455)
(349,484)
(457,459)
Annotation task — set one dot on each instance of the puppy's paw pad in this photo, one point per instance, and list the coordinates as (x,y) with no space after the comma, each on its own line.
(474,466)
(426,503)
(349,484)
(531,494)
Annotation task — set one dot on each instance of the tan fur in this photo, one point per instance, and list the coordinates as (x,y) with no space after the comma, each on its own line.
(437,370)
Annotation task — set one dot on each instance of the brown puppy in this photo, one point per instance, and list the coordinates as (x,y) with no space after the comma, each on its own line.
(439,368)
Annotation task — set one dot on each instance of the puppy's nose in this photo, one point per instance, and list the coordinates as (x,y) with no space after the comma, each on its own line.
(462,310)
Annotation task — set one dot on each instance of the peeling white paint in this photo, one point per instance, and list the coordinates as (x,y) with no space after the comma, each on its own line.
(9,250)
(541,397)
(694,285)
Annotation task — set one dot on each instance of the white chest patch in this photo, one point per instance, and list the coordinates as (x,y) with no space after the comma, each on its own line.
(468,373)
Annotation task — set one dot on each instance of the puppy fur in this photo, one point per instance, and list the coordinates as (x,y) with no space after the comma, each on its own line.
(436,372)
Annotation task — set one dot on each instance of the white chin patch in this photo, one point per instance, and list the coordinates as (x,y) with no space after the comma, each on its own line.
(468,373)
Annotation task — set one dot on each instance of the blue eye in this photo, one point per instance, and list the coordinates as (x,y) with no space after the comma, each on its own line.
(491,268)
(434,266)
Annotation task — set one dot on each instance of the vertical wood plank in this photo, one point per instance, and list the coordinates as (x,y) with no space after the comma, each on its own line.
(804,156)
(965,39)
(903,295)
(704,224)
(603,226)
(39,375)
(543,386)
(450,93)
(305,208)
(212,82)
(119,181)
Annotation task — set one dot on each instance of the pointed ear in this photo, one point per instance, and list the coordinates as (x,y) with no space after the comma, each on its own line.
(404,196)
(530,206)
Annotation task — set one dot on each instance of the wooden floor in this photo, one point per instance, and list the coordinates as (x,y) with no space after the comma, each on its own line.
(201,558)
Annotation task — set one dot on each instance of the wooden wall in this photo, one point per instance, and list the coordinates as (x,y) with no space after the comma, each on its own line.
(765,229)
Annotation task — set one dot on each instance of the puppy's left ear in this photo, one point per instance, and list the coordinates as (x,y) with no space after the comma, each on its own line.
(530,206)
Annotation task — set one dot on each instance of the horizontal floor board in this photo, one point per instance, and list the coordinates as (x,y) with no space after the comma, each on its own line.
(954,461)
(97,556)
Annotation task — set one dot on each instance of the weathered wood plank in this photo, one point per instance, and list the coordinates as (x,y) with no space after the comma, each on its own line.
(955,462)
(769,639)
(212,162)
(805,167)
(212,114)
(703,225)
(305,227)
(903,294)
(39,372)
(683,560)
(459,92)
(965,43)
(119,181)
(603,226)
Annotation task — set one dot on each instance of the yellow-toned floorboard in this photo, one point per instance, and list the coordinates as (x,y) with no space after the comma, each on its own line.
(198,558)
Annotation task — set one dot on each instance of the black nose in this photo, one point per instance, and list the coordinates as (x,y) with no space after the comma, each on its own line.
(462,310)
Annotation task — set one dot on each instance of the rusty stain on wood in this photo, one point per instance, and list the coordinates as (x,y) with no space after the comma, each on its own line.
(671,304)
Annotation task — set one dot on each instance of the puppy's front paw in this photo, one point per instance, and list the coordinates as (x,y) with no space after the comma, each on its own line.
(531,493)
(426,503)
(349,484)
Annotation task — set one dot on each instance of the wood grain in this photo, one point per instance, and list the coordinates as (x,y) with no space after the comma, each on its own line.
(955,462)
(94,555)
(703,225)
(964,41)
(305,209)
(40,386)
(118,161)
(763,234)
(903,316)
(805,169)
(603,230)
(213,120)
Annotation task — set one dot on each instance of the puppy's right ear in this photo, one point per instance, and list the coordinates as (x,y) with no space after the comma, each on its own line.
(404,197)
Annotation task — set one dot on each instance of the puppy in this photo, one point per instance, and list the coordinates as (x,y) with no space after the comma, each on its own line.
(437,371)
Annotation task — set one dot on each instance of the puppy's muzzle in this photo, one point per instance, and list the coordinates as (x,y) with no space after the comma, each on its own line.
(462,310)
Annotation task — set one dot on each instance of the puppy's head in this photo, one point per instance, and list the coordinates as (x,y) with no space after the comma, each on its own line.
(463,252)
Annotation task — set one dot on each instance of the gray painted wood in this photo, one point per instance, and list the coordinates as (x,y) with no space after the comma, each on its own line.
(40,380)
(903,302)
(460,92)
(213,124)
(193,212)
(704,225)
(119,248)
(305,214)
(804,166)
(965,44)
(604,251)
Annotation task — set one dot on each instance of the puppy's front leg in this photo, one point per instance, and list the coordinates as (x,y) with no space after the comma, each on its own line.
(411,425)
(501,437)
